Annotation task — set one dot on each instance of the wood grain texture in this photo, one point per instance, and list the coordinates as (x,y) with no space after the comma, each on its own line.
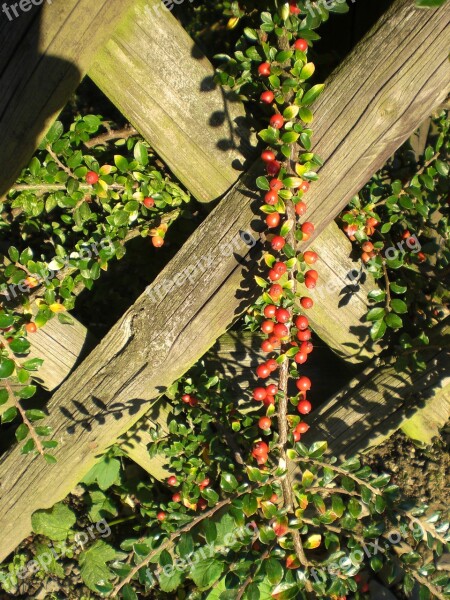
(379,400)
(43,57)
(115,385)
(167,92)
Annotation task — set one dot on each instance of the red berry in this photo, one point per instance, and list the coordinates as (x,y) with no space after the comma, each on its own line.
(301,322)
(172,480)
(273,220)
(294,9)
(280,331)
(276,184)
(186,398)
(157,241)
(297,436)
(274,341)
(303,384)
(272,365)
(193,402)
(301,358)
(264,423)
(274,275)
(310,283)
(371,222)
(270,311)
(176,497)
(31,327)
(301,45)
(367,246)
(268,156)
(282,315)
(263,371)
(276,291)
(260,448)
(365,588)
(276,121)
(306,302)
(307,227)
(268,400)
(92,177)
(273,168)
(302,427)
(304,407)
(267,97)
(264,69)
(304,186)
(271,198)
(272,389)
(273,498)
(300,209)
(280,268)
(267,326)
(149,202)
(266,346)
(204,484)
(306,347)
(202,504)
(161,516)
(313,274)
(304,336)
(278,242)
(310,257)
(259,394)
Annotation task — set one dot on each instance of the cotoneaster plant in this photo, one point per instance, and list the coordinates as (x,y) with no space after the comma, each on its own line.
(69,214)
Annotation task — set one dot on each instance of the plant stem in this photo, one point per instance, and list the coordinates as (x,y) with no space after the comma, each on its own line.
(61,165)
(25,419)
(104,138)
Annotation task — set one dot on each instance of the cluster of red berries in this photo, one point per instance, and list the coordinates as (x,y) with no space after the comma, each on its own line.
(280,326)
(172,481)
(188,399)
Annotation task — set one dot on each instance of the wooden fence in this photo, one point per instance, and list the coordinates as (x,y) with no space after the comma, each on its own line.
(379,95)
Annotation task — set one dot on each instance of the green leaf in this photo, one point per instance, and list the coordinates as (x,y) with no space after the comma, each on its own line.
(378,330)
(228,482)
(45,557)
(34,414)
(21,432)
(170,579)
(27,392)
(55,132)
(93,567)
(262,183)
(4,396)
(375,314)
(141,154)
(377,295)
(289,137)
(306,115)
(7,368)
(28,447)
(33,364)
(317,450)
(104,473)
(312,94)
(291,112)
(6,320)
(121,163)
(55,523)
(306,73)
(206,572)
(9,415)
(249,505)
(398,288)
(274,571)
(394,321)
(399,306)
(429,4)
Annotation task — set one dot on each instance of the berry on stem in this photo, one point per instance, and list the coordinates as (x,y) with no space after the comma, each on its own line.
(306,302)
(263,371)
(304,407)
(31,327)
(268,156)
(276,121)
(149,202)
(92,177)
(264,423)
(301,322)
(273,220)
(259,394)
(310,257)
(267,97)
(301,45)
(278,242)
(264,69)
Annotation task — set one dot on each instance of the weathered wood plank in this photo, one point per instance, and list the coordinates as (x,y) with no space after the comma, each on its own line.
(167,92)
(43,57)
(113,387)
(376,403)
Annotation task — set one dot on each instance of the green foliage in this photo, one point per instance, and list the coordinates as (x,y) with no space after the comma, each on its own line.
(411,249)
(63,232)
